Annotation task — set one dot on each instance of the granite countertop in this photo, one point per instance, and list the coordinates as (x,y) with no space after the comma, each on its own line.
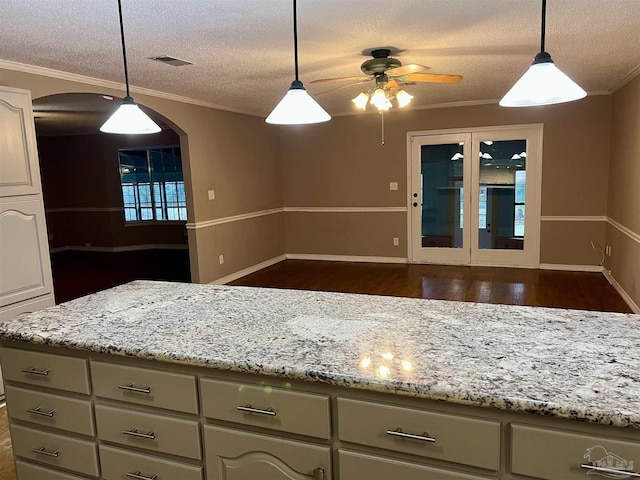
(564,363)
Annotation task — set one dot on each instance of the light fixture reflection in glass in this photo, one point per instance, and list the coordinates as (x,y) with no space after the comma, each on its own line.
(457,156)
(361,101)
(523,154)
(516,157)
(488,142)
(403,98)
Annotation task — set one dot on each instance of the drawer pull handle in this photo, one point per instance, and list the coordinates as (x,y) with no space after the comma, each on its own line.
(138,476)
(44,451)
(135,433)
(39,411)
(399,433)
(318,473)
(35,371)
(611,470)
(130,388)
(250,409)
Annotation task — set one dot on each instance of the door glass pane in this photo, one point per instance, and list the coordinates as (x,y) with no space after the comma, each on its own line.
(441,168)
(501,199)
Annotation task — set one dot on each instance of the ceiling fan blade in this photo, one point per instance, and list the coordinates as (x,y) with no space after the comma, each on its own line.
(341,87)
(433,78)
(406,69)
(341,79)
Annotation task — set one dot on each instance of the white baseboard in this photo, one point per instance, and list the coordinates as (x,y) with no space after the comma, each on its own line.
(125,248)
(248,270)
(571,268)
(344,258)
(621,291)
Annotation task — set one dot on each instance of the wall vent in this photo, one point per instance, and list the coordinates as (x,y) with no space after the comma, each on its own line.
(176,62)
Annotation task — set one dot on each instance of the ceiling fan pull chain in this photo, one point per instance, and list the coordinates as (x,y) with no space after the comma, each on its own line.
(382,123)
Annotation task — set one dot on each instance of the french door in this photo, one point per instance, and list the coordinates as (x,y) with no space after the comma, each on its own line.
(474,196)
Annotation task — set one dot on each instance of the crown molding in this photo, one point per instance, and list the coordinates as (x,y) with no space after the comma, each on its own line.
(630,76)
(98,82)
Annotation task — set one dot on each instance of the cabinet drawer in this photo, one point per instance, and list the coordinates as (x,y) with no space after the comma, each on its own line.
(145,387)
(357,466)
(152,432)
(551,454)
(116,464)
(242,455)
(64,452)
(278,409)
(46,370)
(52,410)
(464,440)
(28,471)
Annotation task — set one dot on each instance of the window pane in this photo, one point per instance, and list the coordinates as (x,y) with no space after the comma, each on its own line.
(518,224)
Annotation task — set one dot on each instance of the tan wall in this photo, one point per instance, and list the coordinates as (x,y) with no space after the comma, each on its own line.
(237,155)
(624,193)
(342,164)
(243,244)
(83,196)
(558,243)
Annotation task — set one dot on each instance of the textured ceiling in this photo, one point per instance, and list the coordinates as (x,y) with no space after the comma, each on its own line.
(242,51)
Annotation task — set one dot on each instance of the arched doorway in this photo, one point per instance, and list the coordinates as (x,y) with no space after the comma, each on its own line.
(115,204)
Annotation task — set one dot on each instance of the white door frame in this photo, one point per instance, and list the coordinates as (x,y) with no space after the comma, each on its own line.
(530,257)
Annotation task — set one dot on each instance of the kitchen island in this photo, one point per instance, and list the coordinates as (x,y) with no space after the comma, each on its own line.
(297,384)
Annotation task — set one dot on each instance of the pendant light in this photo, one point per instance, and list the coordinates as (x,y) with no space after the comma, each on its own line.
(128,118)
(297,107)
(543,83)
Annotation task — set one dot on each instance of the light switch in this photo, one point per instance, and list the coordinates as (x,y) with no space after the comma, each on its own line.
(212,195)
(393,185)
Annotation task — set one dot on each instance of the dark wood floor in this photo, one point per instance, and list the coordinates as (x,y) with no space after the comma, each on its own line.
(513,286)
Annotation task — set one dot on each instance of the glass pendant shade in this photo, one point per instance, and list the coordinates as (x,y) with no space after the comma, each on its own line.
(542,84)
(297,108)
(403,98)
(361,100)
(129,119)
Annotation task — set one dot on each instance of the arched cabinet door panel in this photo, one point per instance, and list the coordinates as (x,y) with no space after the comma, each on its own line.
(19,169)
(25,270)
(237,455)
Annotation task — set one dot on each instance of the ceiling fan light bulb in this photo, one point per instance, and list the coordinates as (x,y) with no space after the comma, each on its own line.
(361,100)
(542,84)
(403,98)
(129,119)
(378,98)
(297,108)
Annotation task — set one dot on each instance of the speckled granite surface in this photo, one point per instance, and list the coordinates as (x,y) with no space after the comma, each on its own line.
(565,363)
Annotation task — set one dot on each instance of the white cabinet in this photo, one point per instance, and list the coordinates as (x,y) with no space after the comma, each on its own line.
(25,269)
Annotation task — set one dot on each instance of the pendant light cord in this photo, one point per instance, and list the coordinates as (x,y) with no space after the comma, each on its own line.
(124,51)
(543,29)
(295,37)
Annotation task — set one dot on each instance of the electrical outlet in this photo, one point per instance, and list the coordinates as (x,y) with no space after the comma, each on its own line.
(393,185)
(212,195)
(221,259)
(396,241)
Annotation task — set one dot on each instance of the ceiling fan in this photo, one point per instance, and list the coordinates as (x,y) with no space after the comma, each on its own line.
(389,74)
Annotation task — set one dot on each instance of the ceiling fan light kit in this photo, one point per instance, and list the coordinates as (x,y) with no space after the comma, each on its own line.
(297,107)
(129,118)
(543,83)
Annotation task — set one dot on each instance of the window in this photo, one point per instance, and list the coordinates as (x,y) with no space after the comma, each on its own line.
(518,221)
(152,184)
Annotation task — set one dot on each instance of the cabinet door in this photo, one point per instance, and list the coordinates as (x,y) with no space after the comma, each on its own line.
(19,170)
(24,252)
(238,455)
